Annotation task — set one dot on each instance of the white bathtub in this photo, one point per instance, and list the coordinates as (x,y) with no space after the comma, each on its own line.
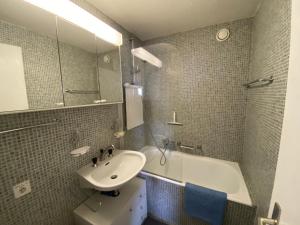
(212,173)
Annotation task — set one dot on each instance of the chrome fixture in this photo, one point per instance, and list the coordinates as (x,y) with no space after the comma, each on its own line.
(275,217)
(197,148)
(54,122)
(174,120)
(259,82)
(106,151)
(110,147)
(266,221)
(70,91)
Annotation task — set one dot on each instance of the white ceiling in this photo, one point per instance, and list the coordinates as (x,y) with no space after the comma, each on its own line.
(155,18)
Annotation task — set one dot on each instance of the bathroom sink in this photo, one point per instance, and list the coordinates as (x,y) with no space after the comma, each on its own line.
(112,173)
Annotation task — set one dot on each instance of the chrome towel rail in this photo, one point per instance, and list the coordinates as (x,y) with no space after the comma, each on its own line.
(55,121)
(259,82)
(70,91)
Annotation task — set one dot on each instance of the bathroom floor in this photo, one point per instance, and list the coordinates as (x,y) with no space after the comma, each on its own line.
(150,221)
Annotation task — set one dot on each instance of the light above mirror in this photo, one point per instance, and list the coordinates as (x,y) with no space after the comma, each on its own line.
(143,54)
(78,16)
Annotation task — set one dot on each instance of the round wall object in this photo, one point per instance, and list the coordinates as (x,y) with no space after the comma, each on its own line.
(223,34)
(106,59)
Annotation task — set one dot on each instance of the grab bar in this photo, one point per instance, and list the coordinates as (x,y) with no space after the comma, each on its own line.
(55,121)
(190,147)
(187,147)
(259,82)
(70,91)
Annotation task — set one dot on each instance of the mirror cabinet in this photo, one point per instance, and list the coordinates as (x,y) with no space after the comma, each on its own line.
(47,62)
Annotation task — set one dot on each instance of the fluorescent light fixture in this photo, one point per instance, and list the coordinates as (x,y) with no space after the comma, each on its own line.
(146,56)
(78,16)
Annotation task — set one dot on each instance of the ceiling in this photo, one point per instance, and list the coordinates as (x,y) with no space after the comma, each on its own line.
(149,19)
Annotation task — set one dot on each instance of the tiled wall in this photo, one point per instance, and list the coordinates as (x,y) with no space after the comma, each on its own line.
(201,79)
(265,106)
(42,154)
(165,203)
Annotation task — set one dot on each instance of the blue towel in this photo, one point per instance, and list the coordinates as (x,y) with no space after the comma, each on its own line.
(205,204)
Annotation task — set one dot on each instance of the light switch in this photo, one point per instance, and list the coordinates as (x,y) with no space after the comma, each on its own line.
(22,189)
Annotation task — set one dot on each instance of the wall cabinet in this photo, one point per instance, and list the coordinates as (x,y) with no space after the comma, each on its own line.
(47,62)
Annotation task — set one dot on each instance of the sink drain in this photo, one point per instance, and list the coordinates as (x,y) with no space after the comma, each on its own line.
(113,176)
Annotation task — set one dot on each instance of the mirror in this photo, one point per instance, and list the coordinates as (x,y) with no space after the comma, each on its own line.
(29,64)
(90,67)
(47,62)
(78,57)
(109,72)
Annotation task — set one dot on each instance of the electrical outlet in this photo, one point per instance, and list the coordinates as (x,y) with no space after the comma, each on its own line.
(22,189)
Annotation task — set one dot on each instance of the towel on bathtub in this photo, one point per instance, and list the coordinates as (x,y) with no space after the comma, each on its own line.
(205,204)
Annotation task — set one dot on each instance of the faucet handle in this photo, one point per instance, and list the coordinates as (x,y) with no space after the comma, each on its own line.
(94,160)
(101,155)
(110,147)
(110,152)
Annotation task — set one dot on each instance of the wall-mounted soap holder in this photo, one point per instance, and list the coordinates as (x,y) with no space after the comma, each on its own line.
(174,120)
(119,134)
(80,151)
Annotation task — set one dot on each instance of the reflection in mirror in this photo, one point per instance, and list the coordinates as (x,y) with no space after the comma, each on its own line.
(29,64)
(77,49)
(109,71)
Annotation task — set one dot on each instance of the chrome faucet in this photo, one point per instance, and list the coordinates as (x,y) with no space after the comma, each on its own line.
(106,151)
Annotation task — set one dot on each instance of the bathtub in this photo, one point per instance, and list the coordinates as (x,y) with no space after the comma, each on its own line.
(215,174)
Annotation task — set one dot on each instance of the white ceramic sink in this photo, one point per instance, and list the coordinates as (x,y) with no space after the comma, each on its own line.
(112,173)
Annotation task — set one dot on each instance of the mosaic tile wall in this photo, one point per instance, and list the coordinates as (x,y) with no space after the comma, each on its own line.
(265,106)
(165,203)
(42,154)
(201,79)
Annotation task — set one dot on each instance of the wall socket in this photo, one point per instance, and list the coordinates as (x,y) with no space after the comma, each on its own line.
(22,189)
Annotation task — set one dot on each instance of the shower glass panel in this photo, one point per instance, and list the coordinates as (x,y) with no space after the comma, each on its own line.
(160,100)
